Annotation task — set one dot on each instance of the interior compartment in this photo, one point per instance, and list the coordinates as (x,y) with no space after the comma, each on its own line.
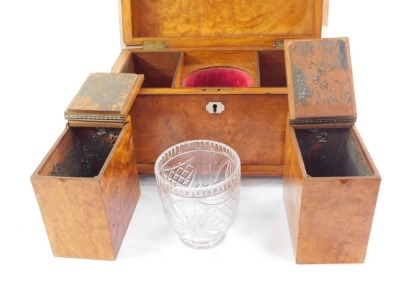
(81,152)
(158,67)
(209,68)
(331,152)
(217,65)
(272,68)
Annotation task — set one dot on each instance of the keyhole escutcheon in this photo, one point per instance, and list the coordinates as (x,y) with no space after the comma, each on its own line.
(215,107)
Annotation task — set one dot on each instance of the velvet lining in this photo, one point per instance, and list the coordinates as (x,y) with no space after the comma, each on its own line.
(218,77)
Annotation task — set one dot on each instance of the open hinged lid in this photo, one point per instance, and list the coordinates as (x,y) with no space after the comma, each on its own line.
(208,23)
(320,81)
(105,97)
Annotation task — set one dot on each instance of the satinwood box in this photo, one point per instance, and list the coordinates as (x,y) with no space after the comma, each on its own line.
(331,184)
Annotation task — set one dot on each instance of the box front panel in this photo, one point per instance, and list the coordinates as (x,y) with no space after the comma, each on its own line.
(336,219)
(253,125)
(73,214)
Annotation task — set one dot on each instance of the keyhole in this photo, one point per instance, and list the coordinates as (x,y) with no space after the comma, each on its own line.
(215,107)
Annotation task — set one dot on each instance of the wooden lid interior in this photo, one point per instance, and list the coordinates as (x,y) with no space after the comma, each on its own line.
(320,80)
(105,96)
(202,23)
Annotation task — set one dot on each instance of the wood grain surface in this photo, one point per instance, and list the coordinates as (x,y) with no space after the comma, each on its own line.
(253,125)
(329,216)
(87,217)
(331,184)
(219,23)
(164,114)
(320,80)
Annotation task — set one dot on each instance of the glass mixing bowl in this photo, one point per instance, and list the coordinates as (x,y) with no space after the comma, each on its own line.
(199,186)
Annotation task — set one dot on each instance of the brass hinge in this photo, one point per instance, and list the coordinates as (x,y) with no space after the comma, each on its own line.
(154,45)
(278,43)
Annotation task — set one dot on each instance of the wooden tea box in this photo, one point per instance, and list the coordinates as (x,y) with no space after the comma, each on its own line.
(87,185)
(331,184)
(213,70)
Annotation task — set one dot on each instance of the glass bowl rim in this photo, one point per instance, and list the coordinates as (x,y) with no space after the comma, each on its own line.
(165,182)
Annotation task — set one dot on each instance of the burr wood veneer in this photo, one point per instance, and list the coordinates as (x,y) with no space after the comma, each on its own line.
(169,41)
(330,181)
(87,186)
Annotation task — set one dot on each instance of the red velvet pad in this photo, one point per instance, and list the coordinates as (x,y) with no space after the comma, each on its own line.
(218,77)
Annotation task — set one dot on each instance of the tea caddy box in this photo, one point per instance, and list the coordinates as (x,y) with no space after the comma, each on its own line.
(213,70)
(331,184)
(87,185)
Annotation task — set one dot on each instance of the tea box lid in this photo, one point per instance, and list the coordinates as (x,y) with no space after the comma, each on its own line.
(105,97)
(320,81)
(209,23)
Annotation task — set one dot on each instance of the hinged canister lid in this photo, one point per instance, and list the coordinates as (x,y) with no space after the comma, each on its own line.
(105,97)
(209,23)
(320,81)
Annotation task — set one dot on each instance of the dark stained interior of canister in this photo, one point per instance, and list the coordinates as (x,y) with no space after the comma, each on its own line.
(87,151)
(330,152)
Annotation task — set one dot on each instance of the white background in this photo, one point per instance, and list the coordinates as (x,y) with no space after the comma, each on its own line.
(47,50)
